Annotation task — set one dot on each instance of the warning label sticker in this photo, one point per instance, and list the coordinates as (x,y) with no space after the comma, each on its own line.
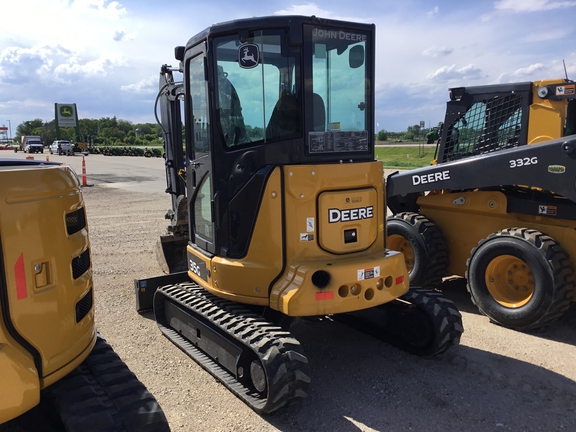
(565,90)
(369,273)
(547,210)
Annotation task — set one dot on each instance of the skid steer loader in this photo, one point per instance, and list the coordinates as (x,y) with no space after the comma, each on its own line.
(498,205)
(278,207)
(49,347)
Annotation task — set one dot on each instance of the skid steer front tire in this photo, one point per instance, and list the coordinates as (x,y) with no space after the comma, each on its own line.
(520,278)
(423,245)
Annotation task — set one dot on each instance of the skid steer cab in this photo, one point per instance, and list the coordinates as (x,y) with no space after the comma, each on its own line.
(278,207)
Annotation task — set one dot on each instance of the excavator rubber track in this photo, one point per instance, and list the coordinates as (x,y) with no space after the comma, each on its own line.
(104,395)
(258,361)
(422,322)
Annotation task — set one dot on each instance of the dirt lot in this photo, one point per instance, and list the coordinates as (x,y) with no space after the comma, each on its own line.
(497,379)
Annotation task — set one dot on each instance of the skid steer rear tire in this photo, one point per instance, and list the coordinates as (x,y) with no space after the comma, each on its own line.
(423,244)
(520,278)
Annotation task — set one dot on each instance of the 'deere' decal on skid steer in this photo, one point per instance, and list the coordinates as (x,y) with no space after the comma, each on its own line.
(20,276)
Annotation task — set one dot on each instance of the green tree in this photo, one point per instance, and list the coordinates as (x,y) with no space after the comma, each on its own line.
(414,130)
(382,135)
(408,136)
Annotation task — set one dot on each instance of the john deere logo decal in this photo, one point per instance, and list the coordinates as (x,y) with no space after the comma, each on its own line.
(66,111)
(248,56)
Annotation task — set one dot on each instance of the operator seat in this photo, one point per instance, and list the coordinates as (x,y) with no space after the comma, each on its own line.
(286,119)
(231,119)
(319,112)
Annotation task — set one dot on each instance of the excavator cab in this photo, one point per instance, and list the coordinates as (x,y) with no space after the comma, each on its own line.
(268,95)
(278,203)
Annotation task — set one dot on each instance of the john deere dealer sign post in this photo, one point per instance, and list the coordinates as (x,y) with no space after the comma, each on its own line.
(66,116)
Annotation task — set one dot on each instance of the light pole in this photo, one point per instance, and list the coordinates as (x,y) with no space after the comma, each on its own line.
(9,129)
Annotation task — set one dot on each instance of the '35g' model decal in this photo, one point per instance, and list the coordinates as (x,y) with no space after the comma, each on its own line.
(517,163)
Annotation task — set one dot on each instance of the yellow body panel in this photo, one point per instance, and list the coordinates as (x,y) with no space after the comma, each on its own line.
(19,386)
(480,213)
(365,281)
(547,117)
(40,288)
(359,273)
(354,215)
(246,280)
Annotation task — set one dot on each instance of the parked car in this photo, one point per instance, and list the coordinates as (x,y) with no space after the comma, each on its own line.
(61,147)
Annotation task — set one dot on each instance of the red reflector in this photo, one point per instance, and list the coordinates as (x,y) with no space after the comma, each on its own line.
(399,280)
(20,276)
(329,295)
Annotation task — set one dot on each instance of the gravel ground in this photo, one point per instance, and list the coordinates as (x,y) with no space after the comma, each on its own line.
(496,379)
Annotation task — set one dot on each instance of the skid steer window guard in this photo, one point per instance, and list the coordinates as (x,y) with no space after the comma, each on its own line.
(489,125)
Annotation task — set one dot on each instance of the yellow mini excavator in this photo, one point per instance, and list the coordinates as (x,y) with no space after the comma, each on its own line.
(49,348)
(278,208)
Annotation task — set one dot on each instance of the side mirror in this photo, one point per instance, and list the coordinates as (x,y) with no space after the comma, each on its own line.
(356,56)
(179,53)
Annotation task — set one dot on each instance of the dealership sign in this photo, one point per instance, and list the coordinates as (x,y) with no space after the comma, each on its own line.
(66,115)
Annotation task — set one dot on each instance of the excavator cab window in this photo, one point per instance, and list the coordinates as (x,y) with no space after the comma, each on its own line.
(258,99)
(340,87)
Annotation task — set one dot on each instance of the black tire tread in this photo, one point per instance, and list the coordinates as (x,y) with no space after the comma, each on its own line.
(436,245)
(444,316)
(558,296)
(398,321)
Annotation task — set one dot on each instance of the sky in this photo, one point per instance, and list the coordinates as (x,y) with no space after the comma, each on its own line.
(105,56)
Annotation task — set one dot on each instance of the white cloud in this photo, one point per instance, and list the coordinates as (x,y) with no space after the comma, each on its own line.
(436,51)
(111,10)
(50,65)
(305,9)
(147,85)
(529,70)
(447,73)
(433,11)
(309,9)
(532,5)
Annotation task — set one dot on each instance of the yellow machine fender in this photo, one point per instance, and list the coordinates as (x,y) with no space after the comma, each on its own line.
(19,386)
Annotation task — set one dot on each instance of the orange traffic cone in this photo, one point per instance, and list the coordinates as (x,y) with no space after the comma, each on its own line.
(84,183)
